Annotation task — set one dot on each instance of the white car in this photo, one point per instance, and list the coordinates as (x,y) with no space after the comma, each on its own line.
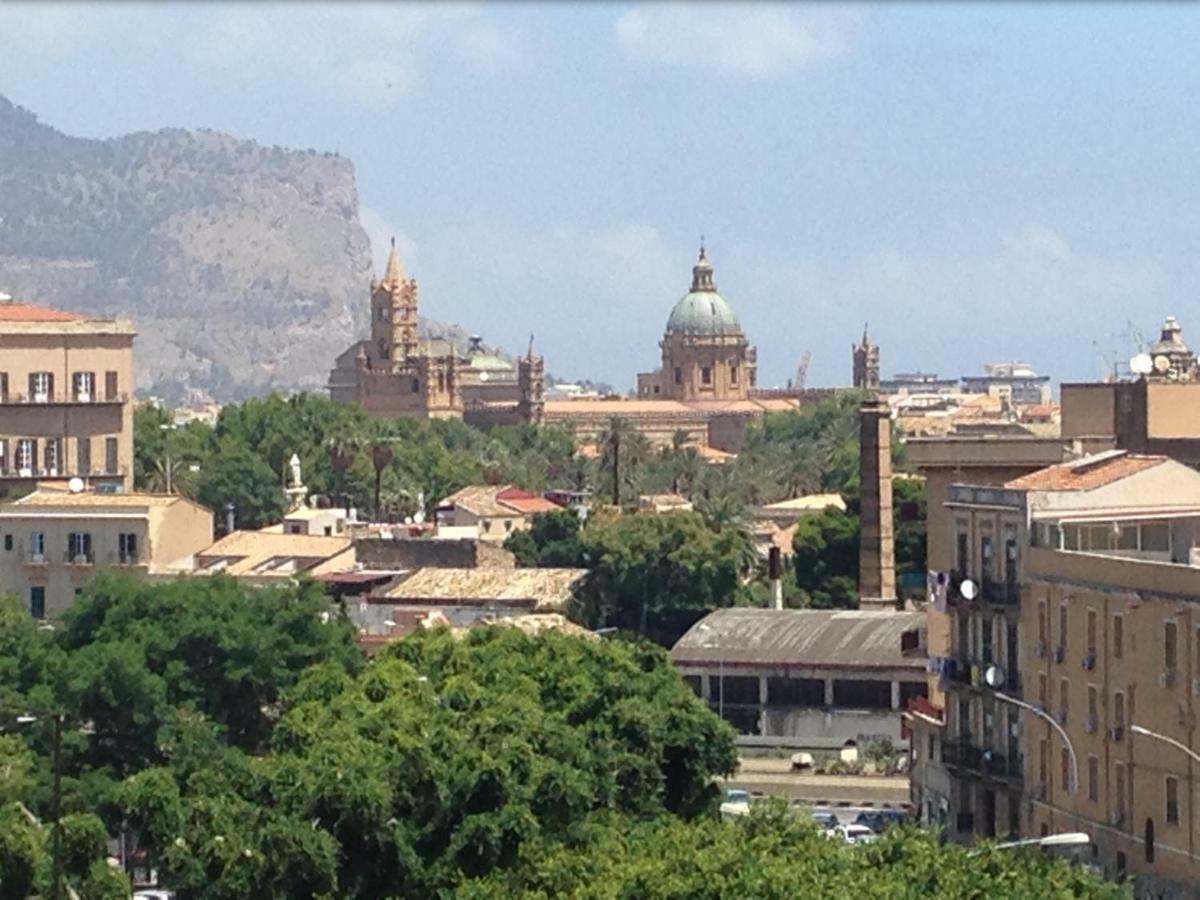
(737,803)
(154,895)
(855,834)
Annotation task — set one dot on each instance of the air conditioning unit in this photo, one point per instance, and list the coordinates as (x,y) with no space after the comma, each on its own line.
(1039,649)
(1089,662)
(1060,653)
(1090,726)
(1167,679)
(1116,733)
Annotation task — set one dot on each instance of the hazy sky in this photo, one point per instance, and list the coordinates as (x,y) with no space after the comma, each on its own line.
(978,182)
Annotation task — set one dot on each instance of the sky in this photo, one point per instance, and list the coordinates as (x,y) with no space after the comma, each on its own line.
(977,182)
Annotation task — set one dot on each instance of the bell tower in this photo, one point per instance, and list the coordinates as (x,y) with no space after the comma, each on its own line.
(393,313)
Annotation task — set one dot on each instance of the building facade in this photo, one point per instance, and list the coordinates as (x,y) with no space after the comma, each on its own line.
(66,388)
(53,542)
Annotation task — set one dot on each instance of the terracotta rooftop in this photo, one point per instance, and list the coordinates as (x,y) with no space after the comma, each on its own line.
(26,312)
(531,505)
(94,500)
(263,553)
(541,589)
(1087,473)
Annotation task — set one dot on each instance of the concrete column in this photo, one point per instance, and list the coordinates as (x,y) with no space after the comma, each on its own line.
(706,686)
(877,553)
(895,695)
(762,690)
(829,692)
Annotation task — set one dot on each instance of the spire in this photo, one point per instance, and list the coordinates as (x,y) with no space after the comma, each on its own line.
(393,276)
(702,272)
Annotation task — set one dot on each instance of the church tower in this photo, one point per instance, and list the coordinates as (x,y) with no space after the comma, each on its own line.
(393,313)
(866,363)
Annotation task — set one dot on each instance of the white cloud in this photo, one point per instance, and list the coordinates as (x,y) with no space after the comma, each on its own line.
(752,41)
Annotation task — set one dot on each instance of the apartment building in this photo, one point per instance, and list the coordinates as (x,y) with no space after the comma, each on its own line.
(66,382)
(53,541)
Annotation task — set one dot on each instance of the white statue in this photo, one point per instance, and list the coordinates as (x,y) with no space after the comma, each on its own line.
(294,463)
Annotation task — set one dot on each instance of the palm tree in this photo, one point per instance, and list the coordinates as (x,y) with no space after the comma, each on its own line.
(725,514)
(343,446)
(381,447)
(622,449)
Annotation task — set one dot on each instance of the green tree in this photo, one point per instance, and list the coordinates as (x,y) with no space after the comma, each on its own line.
(622,450)
(552,540)
(236,475)
(825,558)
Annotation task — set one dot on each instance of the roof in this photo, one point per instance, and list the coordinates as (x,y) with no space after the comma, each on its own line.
(26,312)
(800,638)
(93,500)
(538,588)
(531,505)
(481,500)
(811,501)
(616,406)
(307,513)
(703,312)
(1087,473)
(273,554)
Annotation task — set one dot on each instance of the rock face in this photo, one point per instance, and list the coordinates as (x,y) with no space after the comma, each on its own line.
(244,267)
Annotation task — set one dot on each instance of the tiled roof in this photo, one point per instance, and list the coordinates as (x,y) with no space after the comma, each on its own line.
(800,638)
(809,502)
(480,500)
(619,407)
(1086,474)
(531,505)
(25,312)
(247,551)
(540,589)
(93,500)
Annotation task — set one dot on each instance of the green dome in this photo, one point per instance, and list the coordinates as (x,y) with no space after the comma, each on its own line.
(703,312)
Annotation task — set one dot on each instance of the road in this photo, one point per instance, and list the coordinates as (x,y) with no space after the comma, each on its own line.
(774,778)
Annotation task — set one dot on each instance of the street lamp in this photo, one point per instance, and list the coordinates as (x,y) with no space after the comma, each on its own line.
(1146,732)
(56,892)
(1067,839)
(994,678)
(706,628)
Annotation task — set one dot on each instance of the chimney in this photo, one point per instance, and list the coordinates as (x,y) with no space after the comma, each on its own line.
(877,551)
(775,573)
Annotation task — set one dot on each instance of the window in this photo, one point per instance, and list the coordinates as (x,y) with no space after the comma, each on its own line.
(53,456)
(1042,690)
(110,385)
(1169,646)
(1041,623)
(1010,562)
(127,547)
(3,385)
(37,545)
(3,456)
(1172,790)
(733,374)
(986,644)
(1156,537)
(1062,625)
(1093,778)
(41,386)
(1119,788)
(1118,636)
(1091,632)
(83,456)
(1093,706)
(1064,763)
(678,375)
(8,543)
(508,524)
(1118,715)
(110,456)
(932,756)
(705,375)
(83,386)
(26,456)
(985,558)
(79,546)
(1043,761)
(962,562)
(416,385)
(37,601)
(1064,688)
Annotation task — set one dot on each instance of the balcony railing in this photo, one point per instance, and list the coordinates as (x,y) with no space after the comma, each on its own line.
(14,472)
(60,398)
(82,558)
(963,754)
(999,593)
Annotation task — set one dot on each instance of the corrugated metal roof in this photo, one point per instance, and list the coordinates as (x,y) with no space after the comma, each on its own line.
(800,637)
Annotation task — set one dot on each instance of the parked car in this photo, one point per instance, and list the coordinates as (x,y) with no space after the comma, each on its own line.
(879,820)
(737,803)
(154,894)
(855,834)
(826,820)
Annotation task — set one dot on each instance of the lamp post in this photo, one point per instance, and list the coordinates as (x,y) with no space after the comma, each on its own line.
(1067,839)
(56,892)
(712,645)
(166,430)
(1146,732)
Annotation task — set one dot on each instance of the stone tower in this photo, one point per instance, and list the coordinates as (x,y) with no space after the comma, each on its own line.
(866,363)
(394,313)
(877,548)
(531,382)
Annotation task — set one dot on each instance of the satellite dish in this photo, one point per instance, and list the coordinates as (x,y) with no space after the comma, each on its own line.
(969,589)
(75,485)
(483,376)
(1141,364)
(993,677)
(1161,363)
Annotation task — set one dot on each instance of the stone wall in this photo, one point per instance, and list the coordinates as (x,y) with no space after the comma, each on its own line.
(416,553)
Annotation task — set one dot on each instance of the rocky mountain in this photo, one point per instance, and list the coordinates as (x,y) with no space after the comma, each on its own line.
(244,267)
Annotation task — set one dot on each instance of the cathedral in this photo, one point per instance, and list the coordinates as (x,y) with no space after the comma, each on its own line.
(395,372)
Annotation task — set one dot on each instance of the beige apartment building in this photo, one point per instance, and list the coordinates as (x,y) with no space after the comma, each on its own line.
(53,541)
(66,383)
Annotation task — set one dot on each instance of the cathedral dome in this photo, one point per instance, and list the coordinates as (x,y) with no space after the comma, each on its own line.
(702,310)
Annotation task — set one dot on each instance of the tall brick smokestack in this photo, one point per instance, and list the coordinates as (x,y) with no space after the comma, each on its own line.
(877,547)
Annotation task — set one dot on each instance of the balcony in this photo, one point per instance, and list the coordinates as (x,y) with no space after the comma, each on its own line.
(84,558)
(16,473)
(1000,593)
(64,399)
(962,754)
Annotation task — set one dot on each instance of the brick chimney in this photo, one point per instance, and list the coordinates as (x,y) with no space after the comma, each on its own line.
(877,548)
